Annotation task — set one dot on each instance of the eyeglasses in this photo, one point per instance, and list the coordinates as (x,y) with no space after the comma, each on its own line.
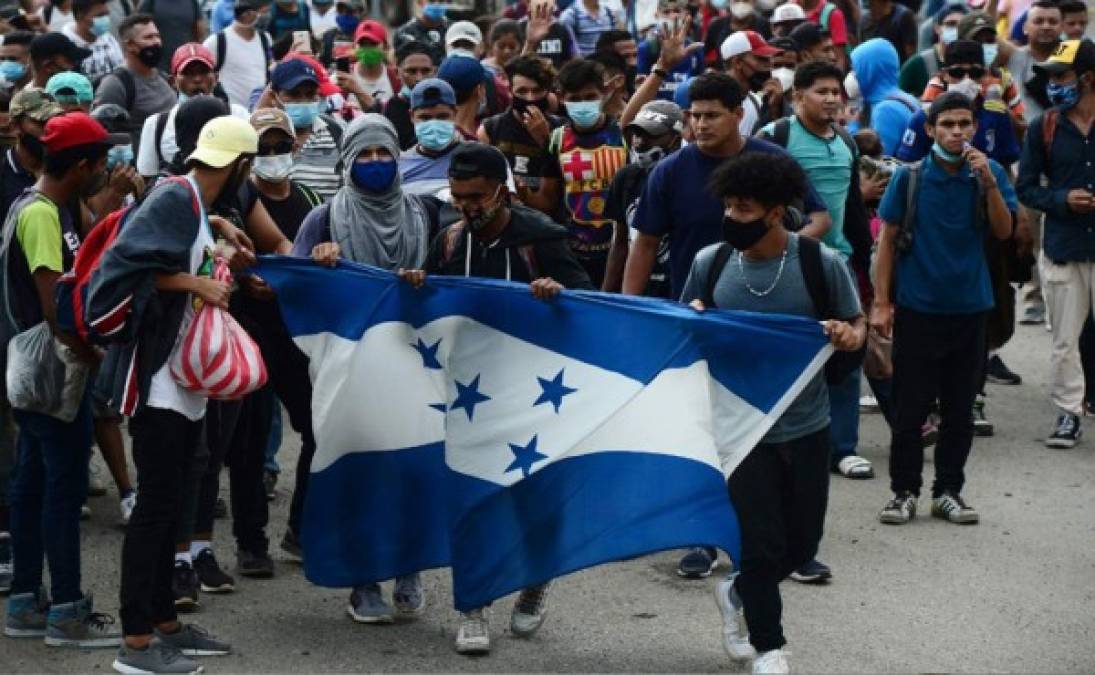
(281,148)
(959,72)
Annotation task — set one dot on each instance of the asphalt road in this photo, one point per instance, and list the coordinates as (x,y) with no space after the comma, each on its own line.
(1014,593)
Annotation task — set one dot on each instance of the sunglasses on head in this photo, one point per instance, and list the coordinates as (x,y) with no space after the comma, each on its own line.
(958,72)
(280,148)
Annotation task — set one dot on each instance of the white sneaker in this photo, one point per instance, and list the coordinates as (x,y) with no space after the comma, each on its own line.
(735,635)
(774,662)
(96,486)
(126,505)
(530,610)
(473,637)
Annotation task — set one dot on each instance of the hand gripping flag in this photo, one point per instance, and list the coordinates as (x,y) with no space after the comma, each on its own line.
(468,424)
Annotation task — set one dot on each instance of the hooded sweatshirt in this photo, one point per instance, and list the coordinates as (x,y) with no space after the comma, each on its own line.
(876,68)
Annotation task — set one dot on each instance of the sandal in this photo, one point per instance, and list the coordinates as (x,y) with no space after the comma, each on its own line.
(855,467)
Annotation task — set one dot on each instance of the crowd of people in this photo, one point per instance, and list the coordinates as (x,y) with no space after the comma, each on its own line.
(895,170)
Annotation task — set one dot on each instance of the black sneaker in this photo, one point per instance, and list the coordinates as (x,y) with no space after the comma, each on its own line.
(813,572)
(998,373)
(291,545)
(212,577)
(254,565)
(220,509)
(270,484)
(698,563)
(184,585)
(1066,433)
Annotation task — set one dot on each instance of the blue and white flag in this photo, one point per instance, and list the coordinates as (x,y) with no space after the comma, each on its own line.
(468,424)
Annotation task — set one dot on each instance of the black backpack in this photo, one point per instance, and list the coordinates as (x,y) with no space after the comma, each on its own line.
(130,84)
(222,51)
(840,364)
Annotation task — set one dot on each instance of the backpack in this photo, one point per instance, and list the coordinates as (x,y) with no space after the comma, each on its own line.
(222,51)
(130,84)
(72,288)
(905,231)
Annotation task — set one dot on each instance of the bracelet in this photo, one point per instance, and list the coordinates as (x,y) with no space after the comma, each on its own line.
(660,72)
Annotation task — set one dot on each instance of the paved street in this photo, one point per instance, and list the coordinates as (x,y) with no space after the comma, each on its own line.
(1014,593)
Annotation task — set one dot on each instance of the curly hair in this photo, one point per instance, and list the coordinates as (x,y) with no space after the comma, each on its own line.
(534,68)
(771,179)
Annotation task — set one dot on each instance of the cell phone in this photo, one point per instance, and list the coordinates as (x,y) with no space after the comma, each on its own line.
(302,41)
(342,64)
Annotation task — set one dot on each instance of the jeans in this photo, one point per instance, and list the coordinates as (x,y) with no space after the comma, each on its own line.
(844,415)
(935,356)
(164,445)
(780,492)
(48,487)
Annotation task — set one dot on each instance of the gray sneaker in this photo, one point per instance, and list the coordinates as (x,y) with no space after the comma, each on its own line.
(26,616)
(409,597)
(529,611)
(73,624)
(367,605)
(155,658)
(193,640)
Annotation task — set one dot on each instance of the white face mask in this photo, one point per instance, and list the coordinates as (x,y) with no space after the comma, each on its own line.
(274,168)
(851,85)
(785,76)
(966,87)
(949,34)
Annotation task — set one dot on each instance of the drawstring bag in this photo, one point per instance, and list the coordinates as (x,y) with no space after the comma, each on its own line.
(216,357)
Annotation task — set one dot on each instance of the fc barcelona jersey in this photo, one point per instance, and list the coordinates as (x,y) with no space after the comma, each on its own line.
(588,162)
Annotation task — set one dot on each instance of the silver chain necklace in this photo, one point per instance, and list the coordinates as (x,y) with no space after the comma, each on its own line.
(779,275)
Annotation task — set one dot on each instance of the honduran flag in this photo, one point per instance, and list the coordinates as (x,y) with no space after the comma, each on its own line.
(470,425)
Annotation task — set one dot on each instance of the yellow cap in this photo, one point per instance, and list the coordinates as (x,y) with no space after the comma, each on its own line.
(223,139)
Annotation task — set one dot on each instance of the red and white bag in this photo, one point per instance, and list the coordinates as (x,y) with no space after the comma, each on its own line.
(216,356)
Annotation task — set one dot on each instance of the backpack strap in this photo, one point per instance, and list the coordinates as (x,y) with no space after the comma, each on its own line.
(781,132)
(555,143)
(528,254)
(161,126)
(722,256)
(931,61)
(452,237)
(1049,130)
(221,50)
(490,125)
(848,140)
(813,274)
(901,99)
(267,53)
(826,15)
(310,195)
(128,83)
(912,190)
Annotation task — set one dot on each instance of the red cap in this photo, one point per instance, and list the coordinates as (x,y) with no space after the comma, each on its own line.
(371,30)
(326,87)
(188,53)
(72,129)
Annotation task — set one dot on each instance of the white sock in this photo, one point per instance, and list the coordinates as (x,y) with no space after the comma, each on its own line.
(183,556)
(198,545)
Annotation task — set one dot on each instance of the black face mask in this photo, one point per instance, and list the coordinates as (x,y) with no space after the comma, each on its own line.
(34,146)
(227,202)
(150,56)
(743,234)
(757,79)
(524,105)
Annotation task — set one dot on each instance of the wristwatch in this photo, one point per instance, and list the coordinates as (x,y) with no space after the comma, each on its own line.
(660,72)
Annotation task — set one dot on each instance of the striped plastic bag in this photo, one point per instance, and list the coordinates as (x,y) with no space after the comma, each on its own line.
(216,356)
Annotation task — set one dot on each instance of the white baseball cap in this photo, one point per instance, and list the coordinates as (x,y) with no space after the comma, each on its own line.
(744,42)
(788,12)
(463,30)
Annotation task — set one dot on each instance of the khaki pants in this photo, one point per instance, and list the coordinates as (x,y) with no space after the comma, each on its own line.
(1069,290)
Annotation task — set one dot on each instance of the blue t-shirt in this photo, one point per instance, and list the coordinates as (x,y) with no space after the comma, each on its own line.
(995,137)
(677,202)
(945,271)
(688,68)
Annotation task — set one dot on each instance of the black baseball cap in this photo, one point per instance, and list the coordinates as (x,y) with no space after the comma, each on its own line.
(808,35)
(1075,55)
(471,160)
(54,44)
(963,51)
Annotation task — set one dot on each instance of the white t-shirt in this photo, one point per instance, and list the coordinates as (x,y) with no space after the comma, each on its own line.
(380,88)
(324,23)
(244,67)
(148,162)
(58,19)
(750,114)
(164,391)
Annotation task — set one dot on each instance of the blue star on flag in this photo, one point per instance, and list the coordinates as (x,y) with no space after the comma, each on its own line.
(429,354)
(525,457)
(468,396)
(553,391)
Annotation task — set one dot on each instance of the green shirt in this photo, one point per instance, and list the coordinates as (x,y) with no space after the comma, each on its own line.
(38,230)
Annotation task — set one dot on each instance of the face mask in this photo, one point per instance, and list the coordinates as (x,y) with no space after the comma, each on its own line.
(990,52)
(302,115)
(949,34)
(478,221)
(119,155)
(460,51)
(743,234)
(943,154)
(183,98)
(375,177)
(435,135)
(966,87)
(785,76)
(273,168)
(12,71)
(647,157)
(34,146)
(150,56)
(405,92)
(347,23)
(584,114)
(1066,95)
(757,79)
(851,85)
(717,4)
(100,25)
(369,56)
(434,12)
(523,105)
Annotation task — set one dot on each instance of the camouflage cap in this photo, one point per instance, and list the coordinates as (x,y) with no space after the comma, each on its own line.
(35,104)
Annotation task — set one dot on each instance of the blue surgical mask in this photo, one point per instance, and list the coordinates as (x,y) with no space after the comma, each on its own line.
(1066,95)
(183,98)
(717,4)
(100,25)
(374,176)
(584,114)
(12,71)
(302,115)
(944,154)
(435,135)
(347,23)
(990,52)
(949,34)
(119,155)
(434,12)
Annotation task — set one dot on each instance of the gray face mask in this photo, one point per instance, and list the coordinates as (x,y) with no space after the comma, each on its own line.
(647,157)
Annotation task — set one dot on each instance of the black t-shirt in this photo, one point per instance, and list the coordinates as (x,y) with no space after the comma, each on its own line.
(620,205)
(432,38)
(529,160)
(897,28)
(289,213)
(398,112)
(14,179)
(557,46)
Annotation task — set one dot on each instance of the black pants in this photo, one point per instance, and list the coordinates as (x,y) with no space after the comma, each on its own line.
(780,492)
(164,443)
(934,356)
(1087,358)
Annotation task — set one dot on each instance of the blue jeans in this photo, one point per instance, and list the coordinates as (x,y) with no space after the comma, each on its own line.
(844,416)
(48,487)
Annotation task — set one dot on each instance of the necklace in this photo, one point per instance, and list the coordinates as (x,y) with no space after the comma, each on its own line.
(779,275)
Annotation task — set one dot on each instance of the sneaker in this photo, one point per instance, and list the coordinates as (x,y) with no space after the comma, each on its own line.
(773,662)
(868,404)
(1066,434)
(1033,315)
(270,484)
(6,569)
(126,505)
(698,563)
(212,578)
(96,487)
(254,565)
(530,610)
(981,426)
(220,509)
(26,615)
(855,467)
(184,586)
(950,507)
(473,636)
(194,640)
(155,658)
(735,635)
(367,605)
(409,597)
(813,572)
(73,624)
(997,372)
(291,545)
(899,510)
